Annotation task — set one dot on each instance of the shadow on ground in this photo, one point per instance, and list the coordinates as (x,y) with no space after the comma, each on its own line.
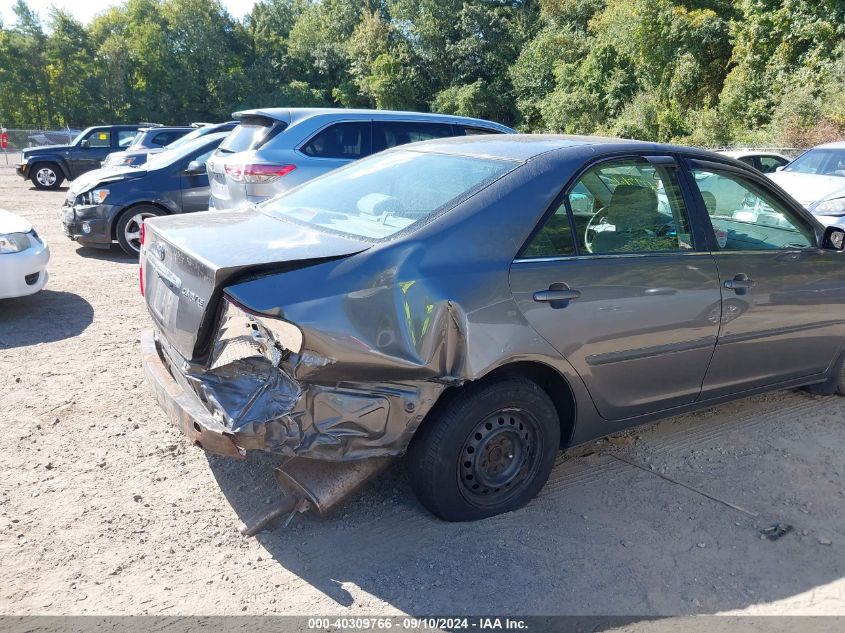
(607,535)
(113,254)
(44,317)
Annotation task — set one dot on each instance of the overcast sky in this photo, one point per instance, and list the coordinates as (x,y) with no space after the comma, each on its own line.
(84,10)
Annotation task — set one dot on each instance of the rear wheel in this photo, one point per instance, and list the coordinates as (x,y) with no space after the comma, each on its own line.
(128,230)
(488,449)
(46,176)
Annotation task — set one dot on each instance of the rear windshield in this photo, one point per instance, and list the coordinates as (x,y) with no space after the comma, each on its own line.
(825,162)
(378,196)
(190,136)
(249,134)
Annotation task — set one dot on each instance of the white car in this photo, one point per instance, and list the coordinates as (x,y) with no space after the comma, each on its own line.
(23,257)
(816,179)
(760,159)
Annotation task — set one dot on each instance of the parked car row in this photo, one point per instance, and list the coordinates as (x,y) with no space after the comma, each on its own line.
(258,155)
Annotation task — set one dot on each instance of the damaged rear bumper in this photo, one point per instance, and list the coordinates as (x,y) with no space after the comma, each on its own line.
(249,405)
(182,407)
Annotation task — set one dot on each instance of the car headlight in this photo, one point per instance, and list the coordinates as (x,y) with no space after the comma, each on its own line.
(14,242)
(830,207)
(95,196)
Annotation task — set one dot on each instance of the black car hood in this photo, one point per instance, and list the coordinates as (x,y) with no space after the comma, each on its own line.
(104,175)
(45,149)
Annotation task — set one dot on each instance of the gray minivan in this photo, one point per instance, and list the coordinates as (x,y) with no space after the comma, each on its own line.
(275,149)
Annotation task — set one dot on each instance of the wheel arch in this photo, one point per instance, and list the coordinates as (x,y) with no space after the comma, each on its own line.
(51,159)
(115,218)
(553,383)
(549,379)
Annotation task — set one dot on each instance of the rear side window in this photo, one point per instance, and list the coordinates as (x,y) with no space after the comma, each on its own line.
(250,134)
(387,134)
(350,140)
(746,217)
(127,137)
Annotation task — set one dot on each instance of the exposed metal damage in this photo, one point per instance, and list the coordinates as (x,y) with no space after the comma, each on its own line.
(264,391)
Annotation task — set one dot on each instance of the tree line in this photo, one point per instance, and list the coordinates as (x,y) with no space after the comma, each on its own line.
(706,72)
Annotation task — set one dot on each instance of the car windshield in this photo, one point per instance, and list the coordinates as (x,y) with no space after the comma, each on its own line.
(820,161)
(165,159)
(379,196)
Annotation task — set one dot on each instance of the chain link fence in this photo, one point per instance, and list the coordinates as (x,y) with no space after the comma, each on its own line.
(19,139)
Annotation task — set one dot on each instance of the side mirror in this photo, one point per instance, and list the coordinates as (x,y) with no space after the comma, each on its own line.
(780,167)
(84,144)
(834,238)
(194,168)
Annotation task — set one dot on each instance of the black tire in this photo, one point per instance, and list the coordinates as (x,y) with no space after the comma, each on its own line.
(128,228)
(487,449)
(840,380)
(46,176)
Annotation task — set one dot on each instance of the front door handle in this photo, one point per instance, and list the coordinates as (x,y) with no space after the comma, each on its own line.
(557,296)
(740,283)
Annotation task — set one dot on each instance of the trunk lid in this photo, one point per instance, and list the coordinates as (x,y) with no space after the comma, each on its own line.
(187,259)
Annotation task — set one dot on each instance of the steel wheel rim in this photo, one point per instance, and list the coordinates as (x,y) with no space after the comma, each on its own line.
(499,458)
(46,176)
(132,230)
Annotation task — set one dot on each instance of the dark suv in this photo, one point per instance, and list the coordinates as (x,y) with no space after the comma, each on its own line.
(48,166)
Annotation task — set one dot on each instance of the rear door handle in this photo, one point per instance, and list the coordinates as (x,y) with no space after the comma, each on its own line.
(557,296)
(740,283)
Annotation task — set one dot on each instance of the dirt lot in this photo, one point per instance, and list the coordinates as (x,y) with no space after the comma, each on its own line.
(105,509)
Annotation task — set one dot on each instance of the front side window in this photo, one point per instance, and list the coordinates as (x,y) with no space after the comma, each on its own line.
(387,134)
(386,193)
(621,206)
(747,217)
(769,164)
(99,138)
(349,141)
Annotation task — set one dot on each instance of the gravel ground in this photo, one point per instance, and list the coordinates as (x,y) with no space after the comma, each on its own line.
(104,509)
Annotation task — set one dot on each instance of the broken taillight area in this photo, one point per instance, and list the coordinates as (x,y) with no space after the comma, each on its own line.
(244,334)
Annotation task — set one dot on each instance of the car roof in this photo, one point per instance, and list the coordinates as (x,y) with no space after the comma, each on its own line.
(741,153)
(166,128)
(526,146)
(295,115)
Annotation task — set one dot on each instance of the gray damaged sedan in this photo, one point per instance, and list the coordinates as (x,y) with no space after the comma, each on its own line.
(479,304)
